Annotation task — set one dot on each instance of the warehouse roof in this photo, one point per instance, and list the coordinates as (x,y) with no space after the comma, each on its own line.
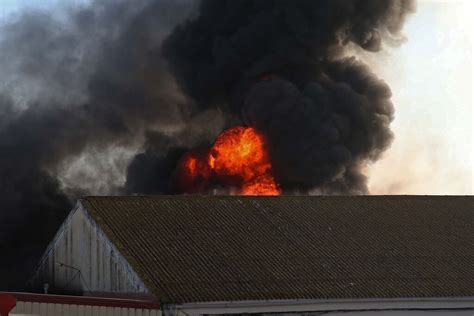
(228,248)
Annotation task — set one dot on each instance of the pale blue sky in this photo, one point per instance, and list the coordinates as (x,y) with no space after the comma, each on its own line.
(10,6)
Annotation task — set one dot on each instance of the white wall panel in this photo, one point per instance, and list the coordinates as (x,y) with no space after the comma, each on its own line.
(82,245)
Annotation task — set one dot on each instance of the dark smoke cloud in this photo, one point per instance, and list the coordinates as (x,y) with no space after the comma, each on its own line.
(319,134)
(232,41)
(93,80)
(279,65)
(82,81)
(153,170)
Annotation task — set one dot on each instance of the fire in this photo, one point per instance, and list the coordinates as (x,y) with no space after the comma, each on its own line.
(238,159)
(194,172)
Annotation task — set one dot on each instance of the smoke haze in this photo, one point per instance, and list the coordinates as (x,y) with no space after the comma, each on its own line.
(84,83)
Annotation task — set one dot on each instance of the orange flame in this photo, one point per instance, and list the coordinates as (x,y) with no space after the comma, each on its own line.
(238,158)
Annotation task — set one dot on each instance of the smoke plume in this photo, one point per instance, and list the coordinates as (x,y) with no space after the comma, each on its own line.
(155,79)
(279,66)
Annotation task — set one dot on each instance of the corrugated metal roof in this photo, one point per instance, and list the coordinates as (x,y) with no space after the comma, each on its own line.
(228,248)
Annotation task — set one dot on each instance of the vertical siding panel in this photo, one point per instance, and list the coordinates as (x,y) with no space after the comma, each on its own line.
(83,245)
(80,310)
(20,308)
(43,309)
(88,310)
(103,311)
(73,310)
(110,311)
(35,308)
(47,309)
(65,310)
(50,309)
(58,309)
(95,311)
(27,307)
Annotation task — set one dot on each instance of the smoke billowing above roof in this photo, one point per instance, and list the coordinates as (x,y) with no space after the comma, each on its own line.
(118,78)
(279,66)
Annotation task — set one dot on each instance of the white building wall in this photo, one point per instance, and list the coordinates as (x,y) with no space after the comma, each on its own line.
(47,309)
(80,245)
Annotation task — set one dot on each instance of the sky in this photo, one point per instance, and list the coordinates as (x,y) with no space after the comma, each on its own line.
(431,76)
(11,6)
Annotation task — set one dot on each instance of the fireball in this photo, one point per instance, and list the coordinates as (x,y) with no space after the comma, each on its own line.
(238,160)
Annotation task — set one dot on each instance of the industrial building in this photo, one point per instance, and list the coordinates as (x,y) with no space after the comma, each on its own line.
(197,255)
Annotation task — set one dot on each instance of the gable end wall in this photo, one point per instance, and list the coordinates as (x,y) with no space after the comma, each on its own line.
(81,245)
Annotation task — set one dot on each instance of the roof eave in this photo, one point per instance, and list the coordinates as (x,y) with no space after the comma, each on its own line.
(316,305)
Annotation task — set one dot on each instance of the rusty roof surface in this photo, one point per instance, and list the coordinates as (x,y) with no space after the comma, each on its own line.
(229,248)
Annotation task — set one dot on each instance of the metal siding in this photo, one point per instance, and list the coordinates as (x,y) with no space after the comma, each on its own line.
(21,305)
(66,309)
(35,307)
(43,309)
(87,310)
(73,310)
(95,311)
(102,311)
(81,244)
(109,312)
(51,310)
(58,309)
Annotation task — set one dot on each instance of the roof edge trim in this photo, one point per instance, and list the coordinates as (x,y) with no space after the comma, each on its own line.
(313,305)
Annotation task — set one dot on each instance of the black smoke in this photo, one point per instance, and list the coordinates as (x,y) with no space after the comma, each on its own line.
(74,82)
(117,76)
(284,67)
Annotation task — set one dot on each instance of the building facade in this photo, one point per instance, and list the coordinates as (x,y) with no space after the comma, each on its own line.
(82,259)
(196,255)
